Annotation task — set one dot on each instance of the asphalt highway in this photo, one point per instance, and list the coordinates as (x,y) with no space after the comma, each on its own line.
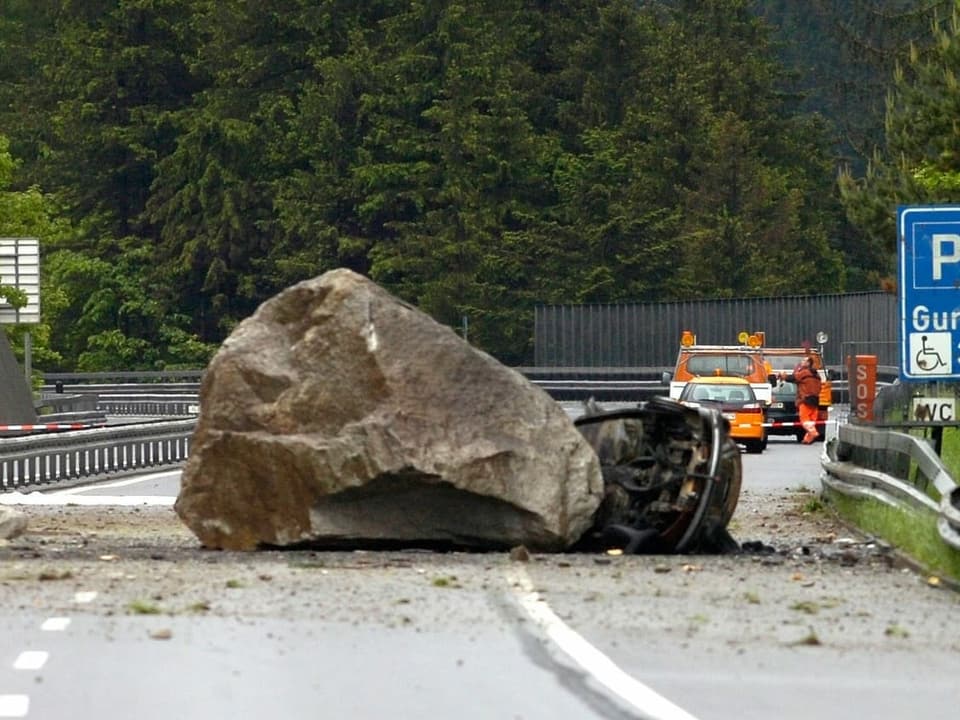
(794,635)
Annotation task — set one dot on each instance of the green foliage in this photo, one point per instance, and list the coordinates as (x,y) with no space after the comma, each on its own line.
(921,157)
(110,76)
(13,296)
(455,172)
(475,158)
(28,213)
(843,53)
(750,201)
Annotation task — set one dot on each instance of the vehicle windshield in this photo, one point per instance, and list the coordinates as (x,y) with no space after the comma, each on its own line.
(785,389)
(784,362)
(726,394)
(732,364)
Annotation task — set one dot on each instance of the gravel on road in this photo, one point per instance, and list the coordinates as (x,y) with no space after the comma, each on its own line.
(143,560)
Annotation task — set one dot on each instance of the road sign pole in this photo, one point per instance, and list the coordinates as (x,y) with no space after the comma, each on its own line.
(27,358)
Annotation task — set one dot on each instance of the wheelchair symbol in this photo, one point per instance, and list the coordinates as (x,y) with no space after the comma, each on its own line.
(927,358)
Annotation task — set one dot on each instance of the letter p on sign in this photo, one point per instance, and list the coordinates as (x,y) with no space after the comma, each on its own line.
(946,251)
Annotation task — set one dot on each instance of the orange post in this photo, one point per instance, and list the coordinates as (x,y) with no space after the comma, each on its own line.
(862,375)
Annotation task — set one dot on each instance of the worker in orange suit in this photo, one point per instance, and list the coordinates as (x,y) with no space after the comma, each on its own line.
(807,379)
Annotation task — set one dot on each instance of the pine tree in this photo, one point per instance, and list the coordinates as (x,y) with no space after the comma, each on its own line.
(920,162)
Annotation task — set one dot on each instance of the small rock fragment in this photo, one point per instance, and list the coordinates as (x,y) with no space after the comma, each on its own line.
(12,523)
(519,554)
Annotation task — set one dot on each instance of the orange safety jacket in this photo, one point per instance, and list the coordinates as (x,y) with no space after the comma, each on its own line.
(808,384)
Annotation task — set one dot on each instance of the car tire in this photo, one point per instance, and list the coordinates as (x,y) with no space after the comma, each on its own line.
(754,446)
(800,435)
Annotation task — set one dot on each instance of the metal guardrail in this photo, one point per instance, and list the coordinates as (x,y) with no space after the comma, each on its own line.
(632,384)
(62,403)
(896,469)
(148,404)
(634,390)
(601,390)
(181,400)
(160,376)
(26,462)
(32,460)
(53,393)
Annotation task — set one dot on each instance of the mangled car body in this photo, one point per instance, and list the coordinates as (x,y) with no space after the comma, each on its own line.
(672,478)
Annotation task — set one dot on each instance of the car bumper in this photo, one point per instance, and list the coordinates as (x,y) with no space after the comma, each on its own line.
(746,430)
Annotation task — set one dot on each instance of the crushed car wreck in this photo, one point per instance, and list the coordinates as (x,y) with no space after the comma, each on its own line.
(672,478)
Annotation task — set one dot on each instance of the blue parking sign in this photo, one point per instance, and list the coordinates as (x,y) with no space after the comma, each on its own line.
(928,249)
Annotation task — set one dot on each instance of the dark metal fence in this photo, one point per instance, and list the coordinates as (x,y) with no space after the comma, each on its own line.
(643,335)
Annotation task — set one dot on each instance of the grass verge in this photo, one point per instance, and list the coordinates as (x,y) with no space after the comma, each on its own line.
(913,533)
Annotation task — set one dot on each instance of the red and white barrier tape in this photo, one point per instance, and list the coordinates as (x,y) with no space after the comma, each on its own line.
(793,424)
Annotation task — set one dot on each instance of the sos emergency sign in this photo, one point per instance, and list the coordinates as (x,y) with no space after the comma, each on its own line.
(862,372)
(928,249)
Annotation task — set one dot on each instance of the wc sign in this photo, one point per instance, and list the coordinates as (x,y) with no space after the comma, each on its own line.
(928,252)
(935,410)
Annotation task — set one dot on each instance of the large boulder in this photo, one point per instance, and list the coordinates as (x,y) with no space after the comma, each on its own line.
(339,415)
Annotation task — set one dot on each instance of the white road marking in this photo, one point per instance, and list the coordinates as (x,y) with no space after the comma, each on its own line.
(14,706)
(76,496)
(55,624)
(595,663)
(36,498)
(85,596)
(116,484)
(31,660)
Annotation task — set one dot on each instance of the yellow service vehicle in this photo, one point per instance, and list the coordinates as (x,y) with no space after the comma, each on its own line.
(736,401)
(744,360)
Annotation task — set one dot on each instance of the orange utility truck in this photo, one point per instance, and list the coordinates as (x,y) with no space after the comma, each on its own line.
(745,360)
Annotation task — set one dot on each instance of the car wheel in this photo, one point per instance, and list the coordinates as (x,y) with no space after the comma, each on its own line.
(754,446)
(800,435)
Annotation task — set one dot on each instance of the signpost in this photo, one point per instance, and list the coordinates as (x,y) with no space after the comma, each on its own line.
(928,246)
(20,268)
(928,249)
(862,374)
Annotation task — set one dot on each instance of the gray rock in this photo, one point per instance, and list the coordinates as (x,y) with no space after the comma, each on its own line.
(338,414)
(12,523)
